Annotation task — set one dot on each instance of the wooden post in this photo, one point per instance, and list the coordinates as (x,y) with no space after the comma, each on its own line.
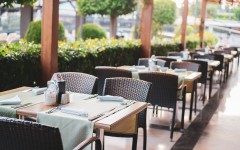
(25,19)
(202,23)
(146,28)
(49,53)
(184,24)
(77,26)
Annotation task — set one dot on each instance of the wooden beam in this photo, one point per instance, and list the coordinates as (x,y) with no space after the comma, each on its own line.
(25,19)
(184,24)
(202,23)
(49,53)
(146,28)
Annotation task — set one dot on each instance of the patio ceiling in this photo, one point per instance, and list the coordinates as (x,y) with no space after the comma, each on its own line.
(228,2)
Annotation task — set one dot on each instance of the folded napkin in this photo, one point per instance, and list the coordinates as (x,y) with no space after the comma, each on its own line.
(79,112)
(11,101)
(133,70)
(110,98)
(180,70)
(164,69)
(140,67)
(38,91)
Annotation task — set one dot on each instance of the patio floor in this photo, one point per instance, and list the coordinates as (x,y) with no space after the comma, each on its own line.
(214,124)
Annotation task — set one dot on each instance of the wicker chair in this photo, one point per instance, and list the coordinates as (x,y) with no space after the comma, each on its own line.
(191,86)
(144,62)
(206,56)
(80,82)
(222,66)
(25,135)
(132,89)
(168,60)
(175,54)
(109,72)
(164,93)
(203,80)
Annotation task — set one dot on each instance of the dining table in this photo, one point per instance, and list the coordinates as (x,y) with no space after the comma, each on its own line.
(104,116)
(189,77)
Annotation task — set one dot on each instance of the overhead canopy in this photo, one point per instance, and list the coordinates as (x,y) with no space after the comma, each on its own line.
(228,2)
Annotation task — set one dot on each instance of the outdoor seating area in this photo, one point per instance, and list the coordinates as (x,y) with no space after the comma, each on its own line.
(88,87)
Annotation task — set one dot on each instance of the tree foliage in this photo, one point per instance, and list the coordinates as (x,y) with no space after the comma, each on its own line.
(106,7)
(165,12)
(33,33)
(92,31)
(9,3)
(236,12)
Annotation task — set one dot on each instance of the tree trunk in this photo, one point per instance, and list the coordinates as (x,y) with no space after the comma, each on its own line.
(113,26)
(25,19)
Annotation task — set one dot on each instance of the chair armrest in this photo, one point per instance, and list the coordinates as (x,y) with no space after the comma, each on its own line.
(86,142)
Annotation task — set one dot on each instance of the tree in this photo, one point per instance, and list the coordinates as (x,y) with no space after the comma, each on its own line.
(165,12)
(34,30)
(113,8)
(236,12)
(9,3)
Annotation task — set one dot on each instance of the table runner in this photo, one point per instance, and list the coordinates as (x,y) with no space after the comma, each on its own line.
(73,129)
(26,97)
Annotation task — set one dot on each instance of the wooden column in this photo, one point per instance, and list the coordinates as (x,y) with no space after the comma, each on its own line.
(146,27)
(77,25)
(25,19)
(49,53)
(202,23)
(184,23)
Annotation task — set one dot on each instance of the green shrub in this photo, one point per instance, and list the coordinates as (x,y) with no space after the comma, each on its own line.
(20,63)
(92,31)
(33,33)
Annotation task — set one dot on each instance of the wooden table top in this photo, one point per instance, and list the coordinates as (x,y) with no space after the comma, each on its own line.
(189,77)
(106,123)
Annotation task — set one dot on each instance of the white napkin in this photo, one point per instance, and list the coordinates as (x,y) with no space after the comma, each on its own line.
(140,67)
(11,101)
(164,69)
(180,70)
(74,111)
(38,91)
(110,98)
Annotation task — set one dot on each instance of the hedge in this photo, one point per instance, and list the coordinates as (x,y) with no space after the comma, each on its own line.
(20,62)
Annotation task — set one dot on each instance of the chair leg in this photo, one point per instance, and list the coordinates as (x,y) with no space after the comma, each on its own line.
(210,85)
(173,124)
(183,108)
(153,110)
(144,138)
(134,143)
(156,110)
(196,95)
(191,101)
(221,78)
(204,92)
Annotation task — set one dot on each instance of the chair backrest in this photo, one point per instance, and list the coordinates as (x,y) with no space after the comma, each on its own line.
(222,52)
(175,54)
(199,50)
(109,72)
(25,135)
(143,62)
(220,58)
(185,65)
(203,68)
(161,62)
(128,88)
(168,60)
(164,88)
(206,56)
(80,82)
